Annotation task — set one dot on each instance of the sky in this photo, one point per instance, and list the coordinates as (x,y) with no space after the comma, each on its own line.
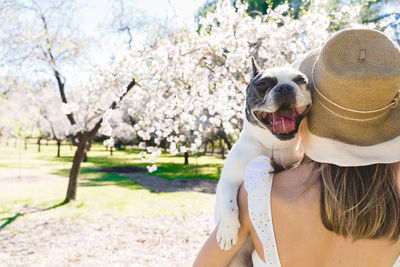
(96,14)
(94,18)
(185,9)
(96,11)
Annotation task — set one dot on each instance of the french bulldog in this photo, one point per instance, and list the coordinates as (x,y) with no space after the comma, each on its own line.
(277,100)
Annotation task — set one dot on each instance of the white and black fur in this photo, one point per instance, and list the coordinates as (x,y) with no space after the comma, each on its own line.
(268,91)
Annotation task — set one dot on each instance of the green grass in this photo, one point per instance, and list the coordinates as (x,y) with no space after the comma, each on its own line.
(97,192)
(170,167)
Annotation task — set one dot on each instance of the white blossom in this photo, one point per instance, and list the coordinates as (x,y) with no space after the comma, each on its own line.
(69,108)
(151,168)
(109,142)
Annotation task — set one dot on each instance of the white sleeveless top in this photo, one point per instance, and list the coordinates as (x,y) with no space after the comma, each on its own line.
(258,184)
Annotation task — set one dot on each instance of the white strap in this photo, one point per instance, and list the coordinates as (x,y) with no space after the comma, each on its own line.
(258,183)
(397,263)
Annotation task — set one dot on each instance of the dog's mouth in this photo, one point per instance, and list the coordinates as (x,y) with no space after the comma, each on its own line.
(283,123)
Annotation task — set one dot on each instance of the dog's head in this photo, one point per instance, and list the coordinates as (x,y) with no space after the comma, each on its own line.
(277,99)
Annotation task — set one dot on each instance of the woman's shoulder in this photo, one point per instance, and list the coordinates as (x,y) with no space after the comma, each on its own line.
(297,183)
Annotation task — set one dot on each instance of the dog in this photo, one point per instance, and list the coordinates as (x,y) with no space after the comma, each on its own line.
(277,100)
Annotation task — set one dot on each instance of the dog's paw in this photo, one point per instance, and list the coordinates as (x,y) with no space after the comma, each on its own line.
(227,234)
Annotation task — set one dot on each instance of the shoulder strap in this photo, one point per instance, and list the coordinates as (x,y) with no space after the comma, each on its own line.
(258,183)
(397,263)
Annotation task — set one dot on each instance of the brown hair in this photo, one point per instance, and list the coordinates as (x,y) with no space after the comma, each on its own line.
(361,202)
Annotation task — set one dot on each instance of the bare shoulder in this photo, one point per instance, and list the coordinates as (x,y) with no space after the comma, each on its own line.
(300,184)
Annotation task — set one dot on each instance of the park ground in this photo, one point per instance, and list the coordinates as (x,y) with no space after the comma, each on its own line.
(122,216)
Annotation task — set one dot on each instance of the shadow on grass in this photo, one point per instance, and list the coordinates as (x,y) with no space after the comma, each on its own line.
(169,177)
(170,171)
(109,179)
(153,183)
(103,160)
(173,171)
(93,178)
(61,158)
(10,220)
(171,168)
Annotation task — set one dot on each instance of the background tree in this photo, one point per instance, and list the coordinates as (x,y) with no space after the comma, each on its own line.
(41,36)
(18,119)
(186,104)
(52,121)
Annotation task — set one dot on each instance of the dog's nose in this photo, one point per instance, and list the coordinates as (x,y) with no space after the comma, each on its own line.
(284,88)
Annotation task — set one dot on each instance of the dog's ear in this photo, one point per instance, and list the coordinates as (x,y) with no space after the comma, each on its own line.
(255,69)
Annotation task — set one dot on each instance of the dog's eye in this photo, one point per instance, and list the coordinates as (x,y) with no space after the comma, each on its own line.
(300,80)
(266,82)
(263,85)
(261,90)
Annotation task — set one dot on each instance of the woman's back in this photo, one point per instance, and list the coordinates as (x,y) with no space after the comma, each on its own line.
(302,239)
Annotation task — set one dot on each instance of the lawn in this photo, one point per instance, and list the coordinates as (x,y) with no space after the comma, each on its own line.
(170,167)
(44,181)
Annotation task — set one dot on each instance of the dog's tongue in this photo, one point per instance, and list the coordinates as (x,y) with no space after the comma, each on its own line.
(283,125)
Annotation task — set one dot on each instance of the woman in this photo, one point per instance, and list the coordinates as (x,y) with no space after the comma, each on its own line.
(341,206)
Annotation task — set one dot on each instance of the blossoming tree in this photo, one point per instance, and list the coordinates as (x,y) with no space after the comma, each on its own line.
(195,80)
(88,107)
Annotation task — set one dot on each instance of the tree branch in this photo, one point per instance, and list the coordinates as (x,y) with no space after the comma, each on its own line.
(241,76)
(381,17)
(51,126)
(94,130)
(126,28)
(51,61)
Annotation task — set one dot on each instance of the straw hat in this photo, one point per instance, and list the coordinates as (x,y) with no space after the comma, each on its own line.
(355,83)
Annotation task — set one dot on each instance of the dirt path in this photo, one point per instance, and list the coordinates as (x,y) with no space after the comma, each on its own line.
(106,241)
(101,239)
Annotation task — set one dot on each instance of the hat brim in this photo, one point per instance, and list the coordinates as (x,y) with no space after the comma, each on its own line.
(329,138)
(325,150)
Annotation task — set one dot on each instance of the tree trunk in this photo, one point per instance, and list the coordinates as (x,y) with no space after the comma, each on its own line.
(186,158)
(164,145)
(209,141)
(83,144)
(74,140)
(47,142)
(38,142)
(58,148)
(222,134)
(221,144)
(87,148)
(26,145)
(75,170)
(111,150)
